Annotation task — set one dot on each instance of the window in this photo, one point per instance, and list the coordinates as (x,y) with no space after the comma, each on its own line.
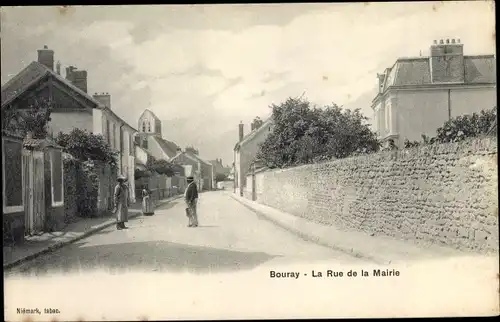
(56,171)
(131,144)
(145,143)
(12,176)
(143,126)
(114,145)
(122,140)
(108,134)
(149,127)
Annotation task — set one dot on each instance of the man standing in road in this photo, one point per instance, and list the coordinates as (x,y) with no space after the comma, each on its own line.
(191,198)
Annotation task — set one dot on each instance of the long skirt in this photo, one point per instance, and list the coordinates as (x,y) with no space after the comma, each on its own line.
(147,206)
(122,212)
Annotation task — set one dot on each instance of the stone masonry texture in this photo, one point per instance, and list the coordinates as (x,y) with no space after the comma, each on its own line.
(442,194)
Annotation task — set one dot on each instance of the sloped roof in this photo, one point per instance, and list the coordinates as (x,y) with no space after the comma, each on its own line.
(417,71)
(148,110)
(169,147)
(253,133)
(33,73)
(29,76)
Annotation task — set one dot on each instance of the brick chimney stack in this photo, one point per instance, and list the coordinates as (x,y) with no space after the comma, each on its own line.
(104,98)
(46,57)
(241,131)
(447,61)
(77,77)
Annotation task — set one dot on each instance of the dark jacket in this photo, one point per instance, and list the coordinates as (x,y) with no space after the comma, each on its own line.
(191,193)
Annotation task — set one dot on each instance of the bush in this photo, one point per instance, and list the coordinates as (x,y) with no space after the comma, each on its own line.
(87,146)
(459,128)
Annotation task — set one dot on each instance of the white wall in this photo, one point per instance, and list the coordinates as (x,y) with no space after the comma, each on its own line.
(417,112)
(66,121)
(141,155)
(97,119)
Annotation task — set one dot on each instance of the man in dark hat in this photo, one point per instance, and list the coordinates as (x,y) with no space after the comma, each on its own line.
(191,198)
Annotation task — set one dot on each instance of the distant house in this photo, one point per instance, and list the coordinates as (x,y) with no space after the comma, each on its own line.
(418,95)
(219,168)
(72,106)
(246,150)
(201,170)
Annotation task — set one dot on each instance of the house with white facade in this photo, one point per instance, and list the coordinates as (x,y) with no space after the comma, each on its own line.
(245,152)
(418,95)
(72,106)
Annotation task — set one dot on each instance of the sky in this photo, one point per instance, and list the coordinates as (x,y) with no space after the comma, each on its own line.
(204,68)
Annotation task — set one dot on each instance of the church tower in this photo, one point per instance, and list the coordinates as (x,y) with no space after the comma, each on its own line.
(149,123)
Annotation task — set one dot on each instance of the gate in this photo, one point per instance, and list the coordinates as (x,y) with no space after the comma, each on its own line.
(34,194)
(254,192)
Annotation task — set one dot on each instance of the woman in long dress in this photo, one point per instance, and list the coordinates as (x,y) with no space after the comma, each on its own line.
(147,202)
(121,203)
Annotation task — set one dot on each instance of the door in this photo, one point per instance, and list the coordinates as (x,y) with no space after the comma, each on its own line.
(34,192)
(254,193)
(38,192)
(28,191)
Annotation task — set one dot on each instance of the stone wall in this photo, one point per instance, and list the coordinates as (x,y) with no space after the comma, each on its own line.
(445,194)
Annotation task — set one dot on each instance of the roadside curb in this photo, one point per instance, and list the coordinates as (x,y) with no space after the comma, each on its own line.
(51,248)
(311,237)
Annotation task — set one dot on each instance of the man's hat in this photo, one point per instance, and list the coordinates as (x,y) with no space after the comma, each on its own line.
(190,178)
(121,178)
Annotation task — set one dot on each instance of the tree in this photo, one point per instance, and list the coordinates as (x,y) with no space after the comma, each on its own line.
(161,167)
(33,118)
(85,146)
(219,177)
(304,134)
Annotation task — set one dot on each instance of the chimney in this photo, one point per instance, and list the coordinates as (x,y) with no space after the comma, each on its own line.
(381,79)
(241,131)
(103,98)
(80,79)
(58,68)
(46,57)
(77,77)
(179,150)
(447,61)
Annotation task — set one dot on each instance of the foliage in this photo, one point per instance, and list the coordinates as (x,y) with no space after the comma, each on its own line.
(219,177)
(34,118)
(192,150)
(257,122)
(138,174)
(161,167)
(303,134)
(460,128)
(466,126)
(86,146)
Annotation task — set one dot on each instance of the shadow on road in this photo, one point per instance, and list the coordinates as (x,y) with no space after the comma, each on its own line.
(157,256)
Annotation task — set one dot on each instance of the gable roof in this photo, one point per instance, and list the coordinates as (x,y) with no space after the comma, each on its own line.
(417,71)
(33,73)
(198,158)
(29,76)
(168,147)
(253,133)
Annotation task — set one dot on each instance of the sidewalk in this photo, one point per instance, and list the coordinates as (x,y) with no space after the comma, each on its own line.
(37,245)
(378,249)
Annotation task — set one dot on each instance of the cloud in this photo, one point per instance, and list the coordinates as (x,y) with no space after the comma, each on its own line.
(213,66)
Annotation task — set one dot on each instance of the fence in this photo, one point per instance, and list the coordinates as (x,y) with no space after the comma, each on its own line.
(160,187)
